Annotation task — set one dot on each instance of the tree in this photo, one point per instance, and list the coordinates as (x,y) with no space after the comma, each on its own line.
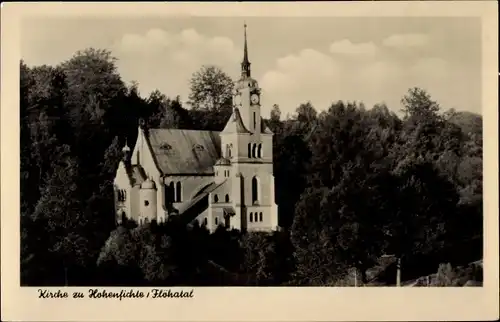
(314,254)
(275,113)
(352,210)
(210,98)
(339,138)
(291,157)
(417,223)
(418,103)
(60,210)
(92,77)
(210,89)
(274,120)
(306,113)
(258,253)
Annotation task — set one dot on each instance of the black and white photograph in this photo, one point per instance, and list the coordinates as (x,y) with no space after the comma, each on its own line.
(250,151)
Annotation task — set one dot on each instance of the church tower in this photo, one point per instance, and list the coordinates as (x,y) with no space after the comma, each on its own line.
(248,144)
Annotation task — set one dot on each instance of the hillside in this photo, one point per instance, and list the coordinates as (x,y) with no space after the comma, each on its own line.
(470,123)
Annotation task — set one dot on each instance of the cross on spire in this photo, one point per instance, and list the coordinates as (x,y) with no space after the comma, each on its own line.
(245,64)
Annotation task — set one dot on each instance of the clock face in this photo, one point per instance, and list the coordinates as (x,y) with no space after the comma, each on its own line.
(255,98)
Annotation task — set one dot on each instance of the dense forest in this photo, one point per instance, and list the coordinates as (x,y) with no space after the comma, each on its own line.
(354,186)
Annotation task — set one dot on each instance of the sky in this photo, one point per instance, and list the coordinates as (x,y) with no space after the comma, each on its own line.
(294,59)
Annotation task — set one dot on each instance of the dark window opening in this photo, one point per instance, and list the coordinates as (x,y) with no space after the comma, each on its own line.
(251,217)
(171,192)
(178,192)
(260,217)
(242,190)
(227,198)
(216,198)
(146,203)
(255,190)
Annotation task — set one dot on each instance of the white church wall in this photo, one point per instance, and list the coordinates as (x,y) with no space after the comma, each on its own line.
(147,204)
(262,171)
(122,182)
(221,193)
(242,146)
(217,217)
(142,155)
(134,203)
(267,147)
(190,185)
(203,218)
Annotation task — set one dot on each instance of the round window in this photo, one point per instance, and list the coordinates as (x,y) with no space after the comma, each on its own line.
(146,203)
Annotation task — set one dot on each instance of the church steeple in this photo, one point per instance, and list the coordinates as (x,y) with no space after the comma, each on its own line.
(245,64)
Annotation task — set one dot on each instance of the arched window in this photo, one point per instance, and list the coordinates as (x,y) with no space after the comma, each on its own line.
(216,198)
(260,216)
(178,192)
(255,190)
(171,192)
(254,152)
(216,221)
(228,151)
(205,221)
(249,150)
(250,218)
(121,195)
(227,198)
(146,203)
(259,151)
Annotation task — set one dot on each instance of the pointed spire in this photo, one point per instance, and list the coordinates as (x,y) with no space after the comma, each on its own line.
(126,148)
(126,153)
(245,64)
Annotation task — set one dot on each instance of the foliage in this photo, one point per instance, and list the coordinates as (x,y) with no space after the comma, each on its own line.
(211,88)
(352,184)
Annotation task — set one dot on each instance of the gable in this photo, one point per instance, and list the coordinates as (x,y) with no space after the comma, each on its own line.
(184,151)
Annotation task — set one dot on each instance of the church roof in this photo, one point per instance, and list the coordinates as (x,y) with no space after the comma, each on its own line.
(148,184)
(184,151)
(228,211)
(206,191)
(264,127)
(235,123)
(223,161)
(136,174)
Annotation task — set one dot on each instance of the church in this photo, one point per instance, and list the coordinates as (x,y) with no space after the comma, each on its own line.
(215,178)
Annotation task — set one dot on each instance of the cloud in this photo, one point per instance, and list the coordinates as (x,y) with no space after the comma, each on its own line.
(406,40)
(298,77)
(323,79)
(348,48)
(166,60)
